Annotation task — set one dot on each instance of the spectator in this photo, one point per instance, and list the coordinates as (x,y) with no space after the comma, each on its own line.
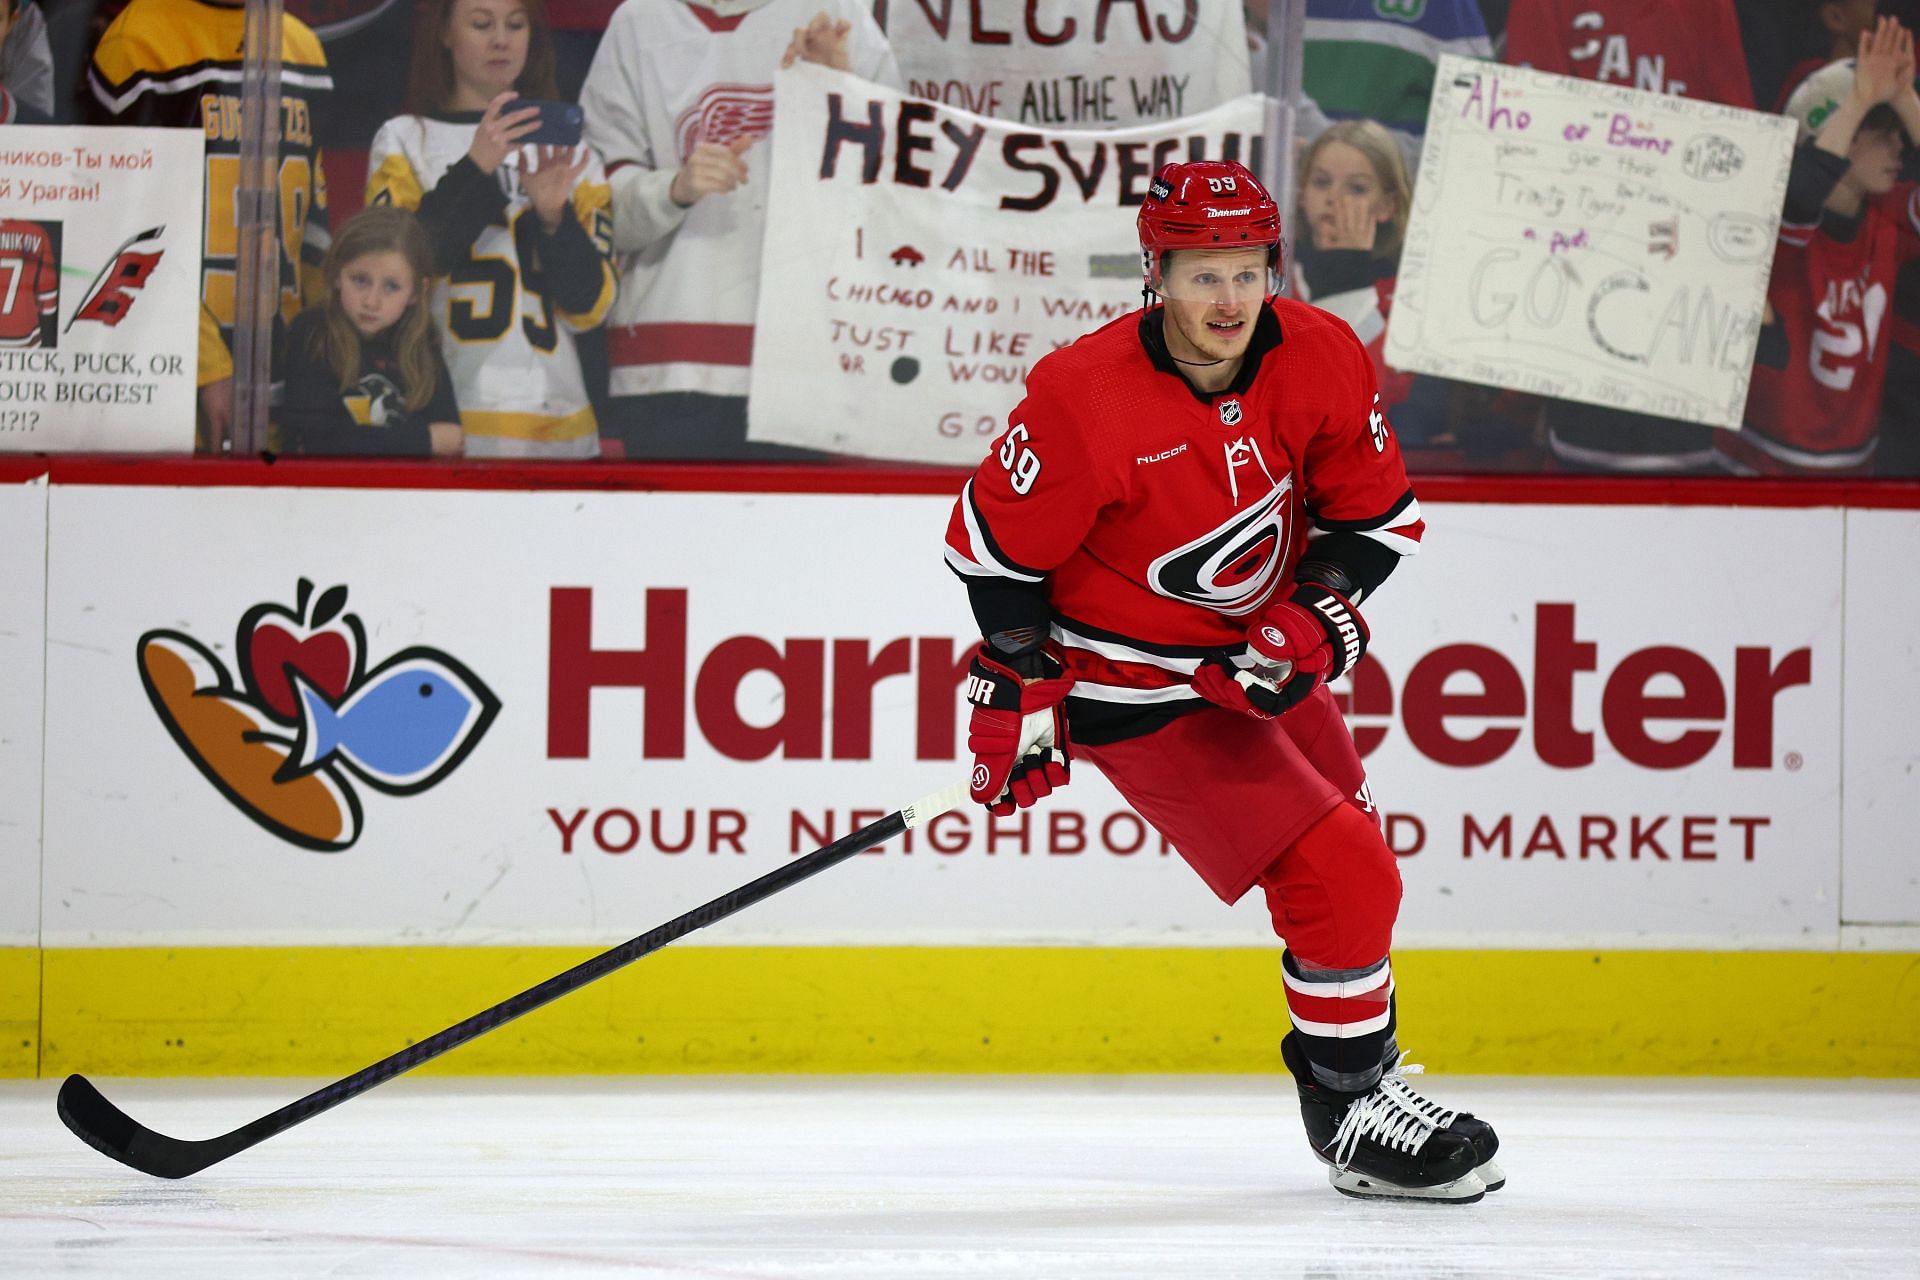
(177,63)
(1849,225)
(26,64)
(364,373)
(1354,200)
(1637,43)
(519,233)
(679,100)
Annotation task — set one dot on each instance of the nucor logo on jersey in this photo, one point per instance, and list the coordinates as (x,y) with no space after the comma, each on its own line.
(1233,568)
(829,689)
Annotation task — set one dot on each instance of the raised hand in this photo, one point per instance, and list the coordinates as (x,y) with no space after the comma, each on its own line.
(549,181)
(822,40)
(500,131)
(1354,226)
(711,169)
(1883,67)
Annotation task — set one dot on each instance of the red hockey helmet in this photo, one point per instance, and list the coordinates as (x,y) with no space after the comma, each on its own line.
(1206,204)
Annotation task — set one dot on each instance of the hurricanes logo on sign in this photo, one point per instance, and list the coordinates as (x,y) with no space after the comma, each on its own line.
(115,290)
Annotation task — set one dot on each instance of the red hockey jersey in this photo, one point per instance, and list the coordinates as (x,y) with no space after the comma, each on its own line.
(29,284)
(1833,298)
(1160,520)
(1645,44)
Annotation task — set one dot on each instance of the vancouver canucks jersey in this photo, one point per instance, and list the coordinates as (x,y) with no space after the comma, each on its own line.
(506,318)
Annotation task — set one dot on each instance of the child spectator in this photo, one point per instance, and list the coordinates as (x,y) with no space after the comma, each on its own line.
(177,64)
(679,100)
(519,233)
(364,373)
(1848,227)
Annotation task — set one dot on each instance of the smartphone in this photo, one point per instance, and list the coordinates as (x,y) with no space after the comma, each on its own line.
(561,123)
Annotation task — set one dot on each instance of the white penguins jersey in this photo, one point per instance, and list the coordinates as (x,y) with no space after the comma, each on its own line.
(508,344)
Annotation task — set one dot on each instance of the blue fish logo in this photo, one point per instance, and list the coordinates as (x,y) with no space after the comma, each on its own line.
(407,725)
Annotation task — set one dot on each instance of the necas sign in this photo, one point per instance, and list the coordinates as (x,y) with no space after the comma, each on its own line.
(828,686)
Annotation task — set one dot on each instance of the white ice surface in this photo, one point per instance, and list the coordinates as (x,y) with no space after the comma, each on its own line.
(1045,1178)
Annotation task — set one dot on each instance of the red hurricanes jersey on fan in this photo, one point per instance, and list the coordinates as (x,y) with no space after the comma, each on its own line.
(1161,522)
(1834,298)
(29,282)
(1645,44)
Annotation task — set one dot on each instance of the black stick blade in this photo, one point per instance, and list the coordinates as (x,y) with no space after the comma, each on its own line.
(116,1135)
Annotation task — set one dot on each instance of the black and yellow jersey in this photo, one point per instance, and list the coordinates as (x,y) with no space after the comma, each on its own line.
(177,64)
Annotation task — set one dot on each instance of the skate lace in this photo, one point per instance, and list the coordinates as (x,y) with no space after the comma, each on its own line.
(1394,1081)
(1384,1116)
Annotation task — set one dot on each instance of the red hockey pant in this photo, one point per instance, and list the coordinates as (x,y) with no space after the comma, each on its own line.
(1281,803)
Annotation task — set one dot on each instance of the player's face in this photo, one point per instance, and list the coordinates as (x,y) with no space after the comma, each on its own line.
(1875,158)
(375,291)
(487,40)
(1339,178)
(1213,297)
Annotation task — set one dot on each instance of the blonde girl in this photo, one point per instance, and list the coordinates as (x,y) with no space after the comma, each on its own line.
(364,373)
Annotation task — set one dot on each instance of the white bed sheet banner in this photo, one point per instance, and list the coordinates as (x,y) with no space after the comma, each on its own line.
(1590,242)
(918,260)
(100,241)
(1559,765)
(1068,64)
(23,615)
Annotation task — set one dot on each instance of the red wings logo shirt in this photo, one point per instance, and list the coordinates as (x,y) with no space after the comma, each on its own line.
(1160,520)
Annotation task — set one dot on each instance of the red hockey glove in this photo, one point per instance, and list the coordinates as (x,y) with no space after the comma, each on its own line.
(1018,734)
(1296,645)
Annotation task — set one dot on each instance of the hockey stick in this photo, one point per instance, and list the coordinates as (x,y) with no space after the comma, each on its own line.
(115,1134)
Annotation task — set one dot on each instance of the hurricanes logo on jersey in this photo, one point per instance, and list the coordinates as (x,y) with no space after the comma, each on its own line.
(1232,568)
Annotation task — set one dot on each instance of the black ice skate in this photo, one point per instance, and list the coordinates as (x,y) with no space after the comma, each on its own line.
(1465,1123)
(1385,1143)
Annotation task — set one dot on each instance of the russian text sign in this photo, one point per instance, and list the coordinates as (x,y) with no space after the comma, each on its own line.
(100,244)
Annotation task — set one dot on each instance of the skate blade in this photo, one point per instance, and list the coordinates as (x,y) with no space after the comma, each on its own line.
(1463,1190)
(1492,1174)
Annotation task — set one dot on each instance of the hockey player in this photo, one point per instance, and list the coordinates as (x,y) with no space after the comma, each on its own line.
(1166,552)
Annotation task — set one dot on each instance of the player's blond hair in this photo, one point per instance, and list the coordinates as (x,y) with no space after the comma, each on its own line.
(1371,139)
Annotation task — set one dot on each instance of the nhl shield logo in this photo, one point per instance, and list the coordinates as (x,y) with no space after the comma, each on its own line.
(1230,413)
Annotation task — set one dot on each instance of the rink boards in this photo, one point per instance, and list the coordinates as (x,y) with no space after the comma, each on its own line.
(1648,767)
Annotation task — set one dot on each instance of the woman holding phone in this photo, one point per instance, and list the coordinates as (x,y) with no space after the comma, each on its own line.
(519,214)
